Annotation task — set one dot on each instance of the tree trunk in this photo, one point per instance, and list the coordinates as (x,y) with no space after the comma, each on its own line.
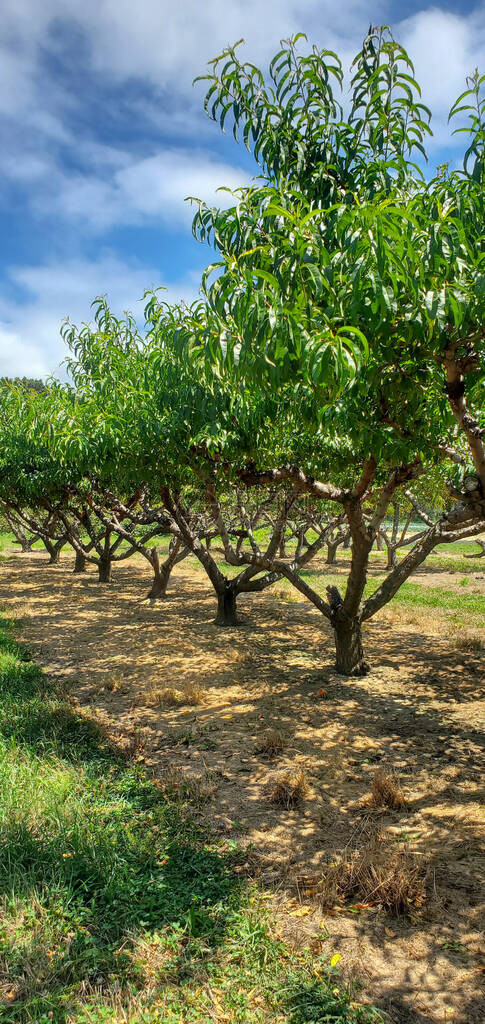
(79,562)
(159,586)
(23,541)
(331,551)
(391,557)
(104,570)
(282,547)
(226,608)
(55,554)
(476,554)
(350,654)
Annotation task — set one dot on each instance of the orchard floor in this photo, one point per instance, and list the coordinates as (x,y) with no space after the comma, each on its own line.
(418,713)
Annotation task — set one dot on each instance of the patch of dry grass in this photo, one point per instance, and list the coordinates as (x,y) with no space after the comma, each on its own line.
(289,789)
(186,693)
(114,683)
(198,789)
(271,743)
(387,791)
(284,595)
(379,873)
(167,697)
(471,643)
(191,693)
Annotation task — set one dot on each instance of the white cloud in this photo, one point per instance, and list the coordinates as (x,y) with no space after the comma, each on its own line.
(30,343)
(169,43)
(54,148)
(445,49)
(18,359)
(153,189)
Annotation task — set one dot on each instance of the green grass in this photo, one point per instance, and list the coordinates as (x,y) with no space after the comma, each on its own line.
(414,595)
(5,541)
(115,904)
(411,595)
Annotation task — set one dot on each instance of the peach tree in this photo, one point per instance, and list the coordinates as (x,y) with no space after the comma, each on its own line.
(352,286)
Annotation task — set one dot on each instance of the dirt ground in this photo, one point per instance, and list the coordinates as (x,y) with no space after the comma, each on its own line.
(417,713)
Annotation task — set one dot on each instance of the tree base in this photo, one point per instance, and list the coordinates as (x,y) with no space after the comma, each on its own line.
(80,563)
(104,573)
(158,589)
(226,609)
(350,659)
(361,669)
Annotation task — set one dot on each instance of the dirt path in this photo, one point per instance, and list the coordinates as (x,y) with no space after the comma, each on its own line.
(418,713)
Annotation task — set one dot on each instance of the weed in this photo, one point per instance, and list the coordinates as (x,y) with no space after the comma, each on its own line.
(272,743)
(191,693)
(377,873)
(167,697)
(289,789)
(387,791)
(470,644)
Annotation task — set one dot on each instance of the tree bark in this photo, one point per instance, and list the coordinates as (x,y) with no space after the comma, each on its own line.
(391,557)
(350,659)
(79,562)
(477,554)
(159,586)
(104,570)
(332,547)
(55,554)
(226,607)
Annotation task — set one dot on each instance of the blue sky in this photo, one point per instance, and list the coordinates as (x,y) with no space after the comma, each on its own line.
(102,136)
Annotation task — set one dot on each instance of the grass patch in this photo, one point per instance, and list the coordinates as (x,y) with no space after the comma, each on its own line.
(272,743)
(470,644)
(376,873)
(5,541)
(115,905)
(289,789)
(387,791)
(413,595)
(410,595)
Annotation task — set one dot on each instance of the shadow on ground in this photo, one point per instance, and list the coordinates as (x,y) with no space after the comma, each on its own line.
(417,713)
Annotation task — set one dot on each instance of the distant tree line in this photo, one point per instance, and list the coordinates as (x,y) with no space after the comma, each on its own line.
(27,383)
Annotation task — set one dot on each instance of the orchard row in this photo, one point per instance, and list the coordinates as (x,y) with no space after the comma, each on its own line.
(328,383)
